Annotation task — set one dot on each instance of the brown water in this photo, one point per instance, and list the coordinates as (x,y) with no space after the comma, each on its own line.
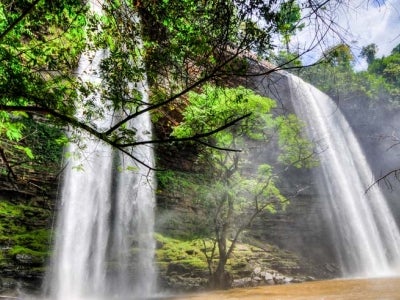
(340,289)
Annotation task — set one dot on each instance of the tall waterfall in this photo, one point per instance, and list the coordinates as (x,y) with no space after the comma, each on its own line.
(366,236)
(104,246)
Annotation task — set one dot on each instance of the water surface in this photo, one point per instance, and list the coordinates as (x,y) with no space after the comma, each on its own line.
(340,289)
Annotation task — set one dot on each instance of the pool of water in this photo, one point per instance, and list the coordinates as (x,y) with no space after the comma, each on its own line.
(340,289)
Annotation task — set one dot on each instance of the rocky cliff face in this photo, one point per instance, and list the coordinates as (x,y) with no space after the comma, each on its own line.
(25,230)
(28,193)
(289,244)
(298,231)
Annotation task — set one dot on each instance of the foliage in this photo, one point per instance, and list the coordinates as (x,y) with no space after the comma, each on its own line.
(339,56)
(40,43)
(342,83)
(177,45)
(216,106)
(387,67)
(236,194)
(369,52)
(288,20)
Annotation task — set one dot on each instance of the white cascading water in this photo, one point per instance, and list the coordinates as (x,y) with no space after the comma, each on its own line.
(365,233)
(104,246)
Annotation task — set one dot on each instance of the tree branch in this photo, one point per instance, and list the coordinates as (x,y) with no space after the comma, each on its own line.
(7,164)
(395,173)
(195,137)
(19,19)
(178,95)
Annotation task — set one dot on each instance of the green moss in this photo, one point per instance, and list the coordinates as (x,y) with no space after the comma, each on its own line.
(190,254)
(37,240)
(21,230)
(22,250)
(9,210)
(186,252)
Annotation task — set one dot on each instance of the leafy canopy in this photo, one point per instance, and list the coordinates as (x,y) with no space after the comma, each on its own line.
(215,106)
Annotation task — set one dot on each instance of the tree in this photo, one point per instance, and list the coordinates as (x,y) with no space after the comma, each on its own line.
(339,55)
(369,52)
(238,192)
(179,45)
(40,45)
(387,67)
(365,95)
(288,21)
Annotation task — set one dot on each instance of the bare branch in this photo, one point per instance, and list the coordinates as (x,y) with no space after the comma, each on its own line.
(7,164)
(385,178)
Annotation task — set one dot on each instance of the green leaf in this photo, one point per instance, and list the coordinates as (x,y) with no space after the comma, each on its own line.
(27,150)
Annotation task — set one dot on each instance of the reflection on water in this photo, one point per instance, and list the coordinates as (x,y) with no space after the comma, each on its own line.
(343,289)
(339,289)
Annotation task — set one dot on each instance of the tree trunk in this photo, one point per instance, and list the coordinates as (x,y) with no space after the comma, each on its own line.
(221,279)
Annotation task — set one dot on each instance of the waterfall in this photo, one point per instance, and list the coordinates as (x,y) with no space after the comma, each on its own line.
(104,245)
(365,233)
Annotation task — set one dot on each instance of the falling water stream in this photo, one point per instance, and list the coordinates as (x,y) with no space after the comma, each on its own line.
(366,236)
(104,244)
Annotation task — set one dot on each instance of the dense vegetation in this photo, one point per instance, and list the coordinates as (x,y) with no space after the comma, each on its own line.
(187,51)
(181,45)
(366,94)
(232,190)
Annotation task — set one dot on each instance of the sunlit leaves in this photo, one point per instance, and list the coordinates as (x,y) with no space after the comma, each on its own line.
(39,54)
(236,191)
(296,150)
(27,150)
(10,127)
(387,67)
(341,82)
(288,19)
(216,106)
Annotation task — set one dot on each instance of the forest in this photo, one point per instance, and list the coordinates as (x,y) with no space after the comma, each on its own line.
(226,154)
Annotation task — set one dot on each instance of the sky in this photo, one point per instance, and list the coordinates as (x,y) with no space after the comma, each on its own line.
(360,23)
(376,22)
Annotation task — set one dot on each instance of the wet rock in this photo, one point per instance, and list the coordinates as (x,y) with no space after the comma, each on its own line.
(184,283)
(331,268)
(190,252)
(7,284)
(242,282)
(257,271)
(27,259)
(176,268)
(268,278)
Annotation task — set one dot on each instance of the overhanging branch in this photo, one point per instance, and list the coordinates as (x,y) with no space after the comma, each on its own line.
(195,137)
(178,95)
(19,19)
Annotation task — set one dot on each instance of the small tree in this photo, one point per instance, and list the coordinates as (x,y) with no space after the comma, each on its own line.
(368,52)
(236,193)
(288,21)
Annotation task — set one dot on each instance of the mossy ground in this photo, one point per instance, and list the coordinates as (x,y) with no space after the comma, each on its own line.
(23,231)
(189,253)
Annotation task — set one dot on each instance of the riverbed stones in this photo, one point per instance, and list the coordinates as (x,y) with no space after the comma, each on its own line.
(264,277)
